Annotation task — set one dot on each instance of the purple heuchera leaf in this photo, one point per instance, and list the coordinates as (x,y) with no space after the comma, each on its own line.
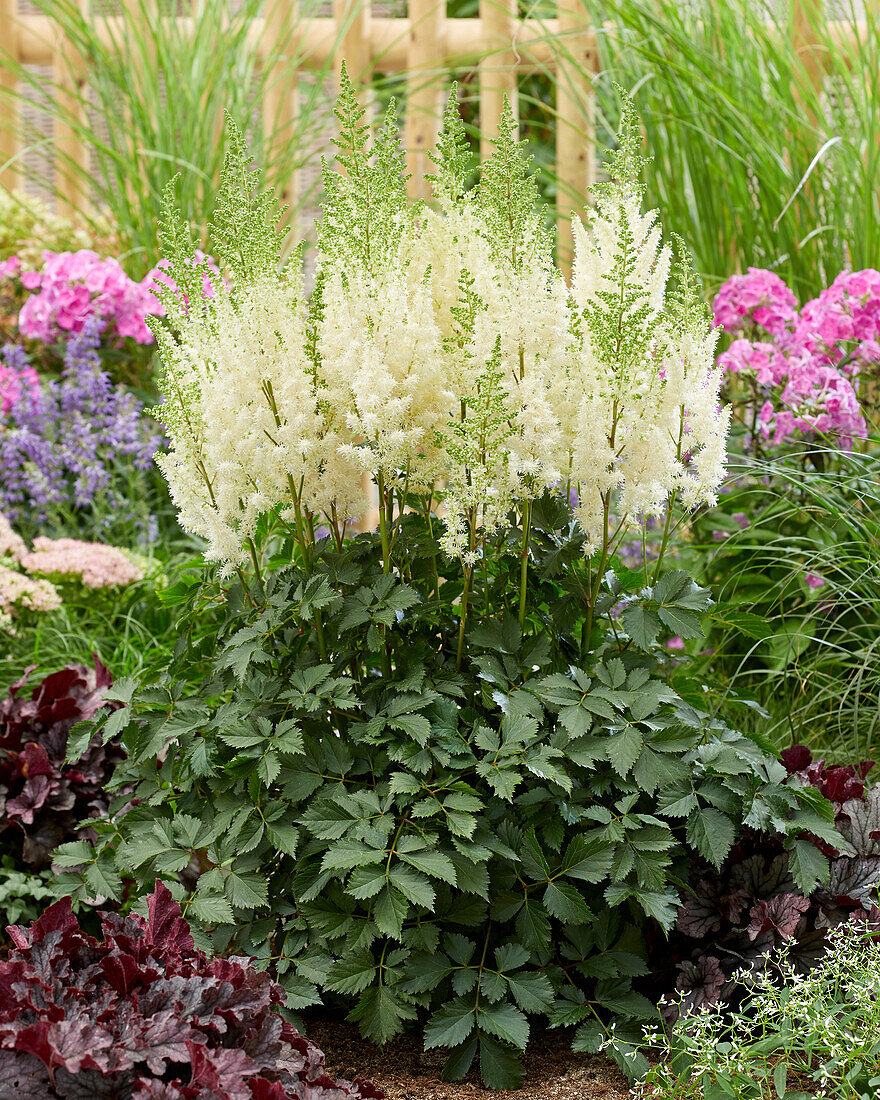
(859,823)
(700,982)
(781,915)
(712,905)
(41,797)
(838,783)
(736,915)
(142,1015)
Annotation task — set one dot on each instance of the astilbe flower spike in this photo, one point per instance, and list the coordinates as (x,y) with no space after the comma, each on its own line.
(440,352)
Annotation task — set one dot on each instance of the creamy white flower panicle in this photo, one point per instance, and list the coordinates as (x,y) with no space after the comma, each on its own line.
(241,410)
(385,370)
(640,403)
(442,351)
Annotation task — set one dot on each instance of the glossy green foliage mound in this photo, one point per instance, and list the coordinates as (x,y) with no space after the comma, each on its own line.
(462,848)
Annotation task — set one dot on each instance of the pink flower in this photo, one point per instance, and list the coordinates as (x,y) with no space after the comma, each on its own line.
(11,545)
(10,268)
(759,299)
(815,580)
(159,278)
(74,286)
(19,591)
(16,380)
(675,643)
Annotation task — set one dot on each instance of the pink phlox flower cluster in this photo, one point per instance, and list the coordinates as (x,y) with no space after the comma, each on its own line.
(759,299)
(74,286)
(16,381)
(809,368)
(10,268)
(160,278)
(767,362)
(92,563)
(842,325)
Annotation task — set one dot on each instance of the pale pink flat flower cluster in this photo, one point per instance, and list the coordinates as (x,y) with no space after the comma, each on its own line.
(26,576)
(18,590)
(807,365)
(12,545)
(92,563)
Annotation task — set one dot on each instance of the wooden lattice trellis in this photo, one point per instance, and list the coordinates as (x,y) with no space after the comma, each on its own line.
(425,44)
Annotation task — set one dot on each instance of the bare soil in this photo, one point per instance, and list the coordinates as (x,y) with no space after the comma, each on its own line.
(404,1071)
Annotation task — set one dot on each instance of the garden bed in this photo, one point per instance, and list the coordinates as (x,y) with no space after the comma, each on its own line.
(405,1071)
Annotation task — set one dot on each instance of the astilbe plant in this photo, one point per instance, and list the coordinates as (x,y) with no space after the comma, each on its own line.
(44,798)
(736,918)
(142,1015)
(429,778)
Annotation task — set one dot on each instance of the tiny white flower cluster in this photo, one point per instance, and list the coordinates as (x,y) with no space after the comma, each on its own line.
(820,1025)
(443,354)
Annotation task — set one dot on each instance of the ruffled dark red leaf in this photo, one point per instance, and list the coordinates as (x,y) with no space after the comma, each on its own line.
(42,798)
(143,1015)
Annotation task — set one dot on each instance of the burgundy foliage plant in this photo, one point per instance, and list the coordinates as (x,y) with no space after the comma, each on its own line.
(41,797)
(143,1015)
(733,918)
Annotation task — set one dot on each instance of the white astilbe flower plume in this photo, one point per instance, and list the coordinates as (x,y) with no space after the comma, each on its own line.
(440,354)
(640,403)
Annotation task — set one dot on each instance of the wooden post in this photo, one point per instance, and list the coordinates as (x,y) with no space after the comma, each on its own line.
(575,121)
(10,177)
(354,45)
(805,17)
(427,45)
(72,154)
(280,107)
(497,68)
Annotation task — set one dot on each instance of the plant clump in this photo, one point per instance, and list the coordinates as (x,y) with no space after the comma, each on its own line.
(142,1015)
(43,797)
(436,773)
(737,917)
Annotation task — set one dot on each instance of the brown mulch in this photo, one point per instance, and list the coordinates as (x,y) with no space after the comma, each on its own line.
(407,1072)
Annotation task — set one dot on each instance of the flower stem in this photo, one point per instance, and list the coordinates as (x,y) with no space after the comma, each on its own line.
(466,591)
(665,542)
(524,561)
(255,559)
(386,568)
(383,524)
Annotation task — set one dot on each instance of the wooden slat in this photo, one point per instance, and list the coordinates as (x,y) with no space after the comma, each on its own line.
(352,19)
(425,85)
(316,41)
(806,16)
(72,161)
(10,177)
(280,106)
(497,68)
(467,41)
(575,120)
